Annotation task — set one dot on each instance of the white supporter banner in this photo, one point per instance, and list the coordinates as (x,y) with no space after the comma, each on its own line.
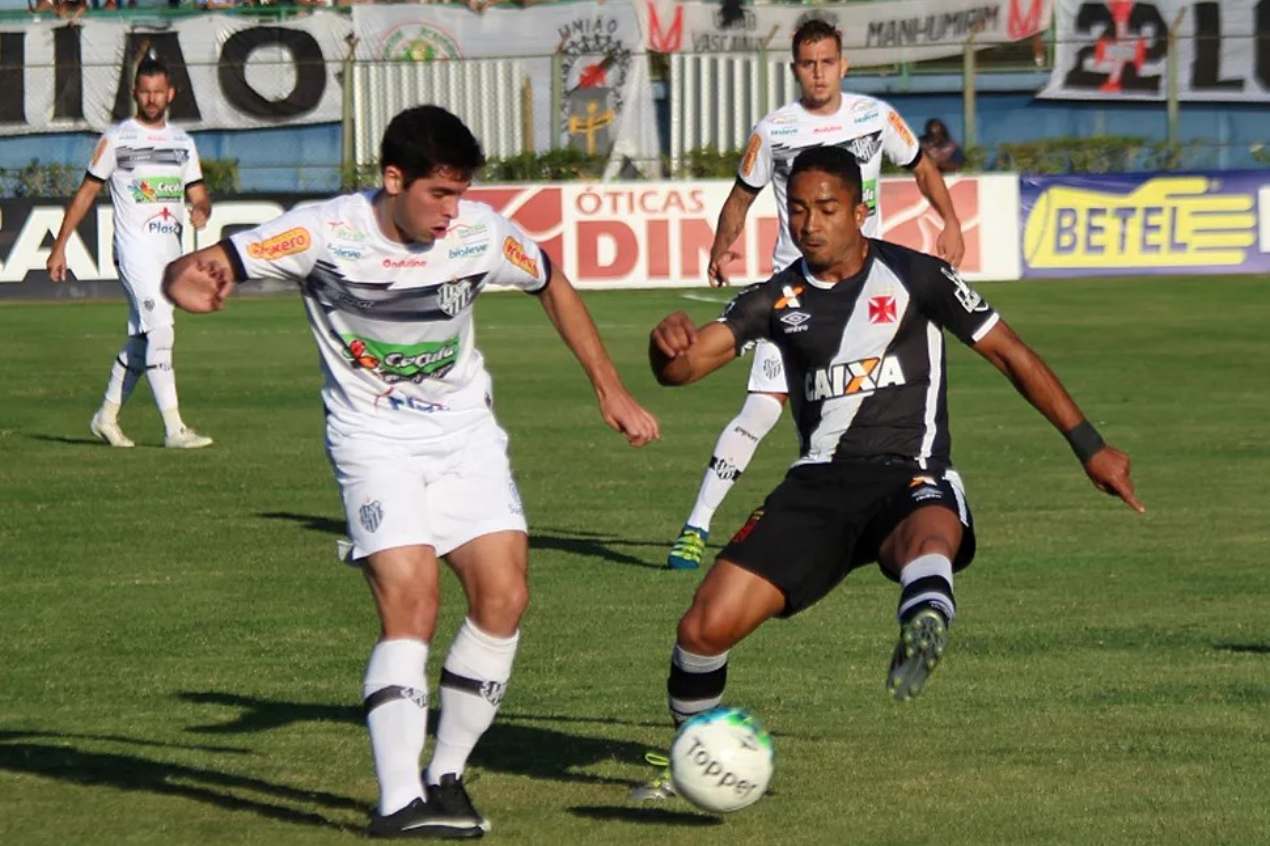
(230,72)
(1120,51)
(605,102)
(873,33)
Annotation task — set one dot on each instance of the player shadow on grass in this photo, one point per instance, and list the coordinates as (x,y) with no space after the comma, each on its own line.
(129,772)
(573,541)
(1245,648)
(64,439)
(508,747)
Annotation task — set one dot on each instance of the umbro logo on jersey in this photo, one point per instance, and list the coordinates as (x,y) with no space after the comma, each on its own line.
(882,310)
(856,377)
(794,322)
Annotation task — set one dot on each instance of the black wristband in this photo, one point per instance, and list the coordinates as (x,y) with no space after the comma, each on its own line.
(1085,440)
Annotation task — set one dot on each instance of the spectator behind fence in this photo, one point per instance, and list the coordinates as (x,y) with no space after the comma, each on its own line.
(70,10)
(938,144)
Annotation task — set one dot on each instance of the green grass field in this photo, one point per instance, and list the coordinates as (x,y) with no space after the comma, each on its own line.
(181,656)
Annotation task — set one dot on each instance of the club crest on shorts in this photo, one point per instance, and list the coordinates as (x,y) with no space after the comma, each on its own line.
(453,297)
(371,514)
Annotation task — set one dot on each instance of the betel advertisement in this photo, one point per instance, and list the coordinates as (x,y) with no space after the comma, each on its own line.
(604,235)
(1216,222)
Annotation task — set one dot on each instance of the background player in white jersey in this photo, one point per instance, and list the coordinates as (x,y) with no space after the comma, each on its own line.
(823,116)
(389,279)
(153,169)
(874,481)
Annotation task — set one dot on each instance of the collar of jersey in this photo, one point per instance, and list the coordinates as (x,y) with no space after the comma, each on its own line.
(372,224)
(859,275)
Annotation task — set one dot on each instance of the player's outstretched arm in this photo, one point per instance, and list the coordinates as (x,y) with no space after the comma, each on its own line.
(680,353)
(75,211)
(950,245)
(1107,467)
(731,220)
(200,282)
(619,409)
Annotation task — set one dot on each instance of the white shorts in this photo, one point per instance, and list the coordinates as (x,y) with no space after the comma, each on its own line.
(440,493)
(767,373)
(142,280)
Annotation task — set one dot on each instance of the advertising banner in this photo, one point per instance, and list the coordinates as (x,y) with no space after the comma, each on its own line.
(1117,50)
(1215,222)
(604,235)
(873,33)
(229,72)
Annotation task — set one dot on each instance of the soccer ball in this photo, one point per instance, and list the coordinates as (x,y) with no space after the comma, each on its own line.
(721,760)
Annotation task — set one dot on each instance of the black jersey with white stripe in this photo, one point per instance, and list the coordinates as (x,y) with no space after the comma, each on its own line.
(864,358)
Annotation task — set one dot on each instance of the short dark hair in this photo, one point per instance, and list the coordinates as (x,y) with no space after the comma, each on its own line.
(424,138)
(150,66)
(814,29)
(834,161)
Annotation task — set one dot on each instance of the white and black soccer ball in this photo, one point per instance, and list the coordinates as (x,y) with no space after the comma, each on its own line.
(721,760)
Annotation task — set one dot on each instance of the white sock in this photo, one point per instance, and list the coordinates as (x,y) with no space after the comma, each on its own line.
(129,364)
(732,454)
(927,580)
(396,700)
(472,685)
(162,377)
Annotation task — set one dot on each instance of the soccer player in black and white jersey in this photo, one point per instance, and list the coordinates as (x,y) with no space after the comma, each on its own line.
(824,115)
(153,168)
(860,325)
(389,280)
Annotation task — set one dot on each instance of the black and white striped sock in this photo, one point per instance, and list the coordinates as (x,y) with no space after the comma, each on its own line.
(695,684)
(926,582)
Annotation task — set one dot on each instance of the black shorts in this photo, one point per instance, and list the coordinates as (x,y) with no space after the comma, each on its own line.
(825,520)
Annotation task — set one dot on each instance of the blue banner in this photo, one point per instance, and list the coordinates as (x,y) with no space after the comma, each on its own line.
(1142,223)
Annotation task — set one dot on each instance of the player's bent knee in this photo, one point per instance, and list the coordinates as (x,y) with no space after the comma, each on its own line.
(707,630)
(498,610)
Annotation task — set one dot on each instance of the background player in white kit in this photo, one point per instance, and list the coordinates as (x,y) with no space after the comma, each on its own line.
(388,280)
(153,169)
(822,116)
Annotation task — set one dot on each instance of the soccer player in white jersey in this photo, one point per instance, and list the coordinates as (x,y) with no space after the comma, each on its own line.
(823,116)
(874,480)
(389,279)
(153,168)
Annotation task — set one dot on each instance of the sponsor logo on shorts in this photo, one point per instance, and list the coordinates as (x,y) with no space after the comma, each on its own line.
(397,403)
(516,506)
(855,377)
(402,362)
(148,305)
(515,253)
(744,531)
(370,515)
(295,240)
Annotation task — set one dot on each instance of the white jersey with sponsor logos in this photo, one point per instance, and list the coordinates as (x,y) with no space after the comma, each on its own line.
(148,169)
(865,126)
(393,322)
